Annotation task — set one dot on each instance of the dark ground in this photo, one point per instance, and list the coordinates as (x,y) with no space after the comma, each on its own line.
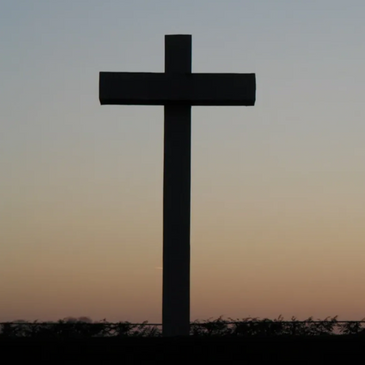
(309,350)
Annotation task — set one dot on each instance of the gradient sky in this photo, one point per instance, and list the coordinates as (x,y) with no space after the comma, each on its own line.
(278,202)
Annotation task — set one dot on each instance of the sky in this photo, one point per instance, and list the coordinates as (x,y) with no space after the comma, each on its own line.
(278,202)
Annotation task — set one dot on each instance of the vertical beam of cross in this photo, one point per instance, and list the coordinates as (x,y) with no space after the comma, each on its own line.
(176,197)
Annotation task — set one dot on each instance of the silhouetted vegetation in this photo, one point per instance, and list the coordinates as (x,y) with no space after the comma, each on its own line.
(83,328)
(249,341)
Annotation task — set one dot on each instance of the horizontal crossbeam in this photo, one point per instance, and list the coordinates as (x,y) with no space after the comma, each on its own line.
(142,88)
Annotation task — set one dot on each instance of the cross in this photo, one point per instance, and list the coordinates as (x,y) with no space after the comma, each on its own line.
(177,89)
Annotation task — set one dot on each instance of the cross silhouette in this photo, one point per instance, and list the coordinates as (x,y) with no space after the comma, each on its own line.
(177,89)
